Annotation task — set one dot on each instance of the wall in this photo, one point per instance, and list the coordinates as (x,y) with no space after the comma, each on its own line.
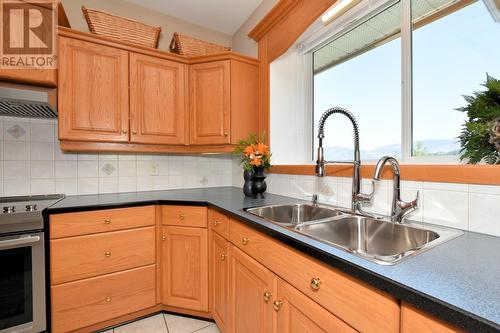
(241,42)
(32,163)
(463,206)
(167,23)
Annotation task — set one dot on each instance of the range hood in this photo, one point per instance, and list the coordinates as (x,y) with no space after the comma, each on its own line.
(19,100)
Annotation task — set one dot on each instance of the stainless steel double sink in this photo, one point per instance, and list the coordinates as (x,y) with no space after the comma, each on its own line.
(377,240)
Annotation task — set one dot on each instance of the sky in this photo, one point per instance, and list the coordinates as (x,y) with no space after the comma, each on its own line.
(451,57)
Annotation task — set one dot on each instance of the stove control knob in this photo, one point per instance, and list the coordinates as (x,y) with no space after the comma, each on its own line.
(31,208)
(9,209)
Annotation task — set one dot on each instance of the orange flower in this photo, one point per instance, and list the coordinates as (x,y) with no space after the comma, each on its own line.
(256,161)
(262,149)
(249,150)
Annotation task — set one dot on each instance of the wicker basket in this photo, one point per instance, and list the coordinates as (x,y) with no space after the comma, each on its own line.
(109,25)
(191,47)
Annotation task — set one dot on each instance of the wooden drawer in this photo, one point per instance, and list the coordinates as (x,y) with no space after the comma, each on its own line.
(416,321)
(359,305)
(81,257)
(185,216)
(218,222)
(84,223)
(86,302)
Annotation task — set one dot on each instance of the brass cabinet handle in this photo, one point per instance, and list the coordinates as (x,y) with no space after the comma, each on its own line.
(226,133)
(134,132)
(108,299)
(107,220)
(182,216)
(315,283)
(216,223)
(107,254)
(124,131)
(163,237)
(244,240)
(223,257)
(277,305)
(267,296)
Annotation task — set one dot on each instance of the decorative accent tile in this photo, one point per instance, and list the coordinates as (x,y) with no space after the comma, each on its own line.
(16,131)
(108,169)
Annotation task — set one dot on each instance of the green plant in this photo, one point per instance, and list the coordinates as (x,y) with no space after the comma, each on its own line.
(253,152)
(480,135)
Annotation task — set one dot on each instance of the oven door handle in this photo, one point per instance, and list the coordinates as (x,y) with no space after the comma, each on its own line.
(19,241)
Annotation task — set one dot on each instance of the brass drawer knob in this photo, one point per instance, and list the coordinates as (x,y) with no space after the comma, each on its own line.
(163,237)
(134,132)
(107,220)
(182,216)
(107,254)
(124,131)
(108,299)
(315,283)
(267,296)
(216,223)
(223,257)
(277,305)
(226,133)
(244,240)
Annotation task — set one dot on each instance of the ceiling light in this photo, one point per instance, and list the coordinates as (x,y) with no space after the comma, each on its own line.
(338,8)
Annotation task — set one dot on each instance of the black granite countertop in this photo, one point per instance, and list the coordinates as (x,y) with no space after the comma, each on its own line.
(458,281)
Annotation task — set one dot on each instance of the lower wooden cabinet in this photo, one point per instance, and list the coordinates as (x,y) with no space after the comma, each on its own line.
(252,288)
(185,267)
(85,302)
(416,321)
(219,278)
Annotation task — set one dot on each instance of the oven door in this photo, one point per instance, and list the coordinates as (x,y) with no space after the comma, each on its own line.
(22,283)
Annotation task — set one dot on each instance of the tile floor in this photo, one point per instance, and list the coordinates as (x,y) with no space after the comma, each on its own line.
(167,323)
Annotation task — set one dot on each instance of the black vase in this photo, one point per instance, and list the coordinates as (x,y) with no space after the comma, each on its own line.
(259,185)
(247,186)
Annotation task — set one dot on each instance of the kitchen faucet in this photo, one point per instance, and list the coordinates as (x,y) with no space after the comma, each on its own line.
(357,197)
(399,208)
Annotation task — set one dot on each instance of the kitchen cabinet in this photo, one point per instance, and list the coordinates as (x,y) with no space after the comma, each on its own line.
(157,100)
(185,267)
(219,278)
(416,321)
(223,103)
(251,290)
(93,95)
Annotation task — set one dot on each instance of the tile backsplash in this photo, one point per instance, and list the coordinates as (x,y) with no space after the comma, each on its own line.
(31,162)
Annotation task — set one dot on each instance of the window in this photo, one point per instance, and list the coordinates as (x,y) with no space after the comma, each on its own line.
(404,85)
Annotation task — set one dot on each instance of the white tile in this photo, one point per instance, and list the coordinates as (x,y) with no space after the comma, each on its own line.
(42,151)
(67,186)
(88,157)
(179,324)
(161,157)
(145,168)
(344,194)
(484,213)
(63,156)
(127,168)
(16,151)
(66,169)
(88,169)
(144,183)
(42,132)
(42,169)
(153,324)
(144,157)
(16,187)
(108,185)
(127,184)
(175,182)
(43,186)
(88,185)
(160,182)
(381,202)
(214,180)
(176,167)
(328,190)
(162,168)
(127,157)
(446,208)
(16,170)
(108,157)
(108,168)
(484,189)
(446,186)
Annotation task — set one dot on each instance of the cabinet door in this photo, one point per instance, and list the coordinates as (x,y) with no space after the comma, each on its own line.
(210,102)
(299,314)
(93,92)
(252,288)
(185,267)
(219,280)
(157,100)
(415,321)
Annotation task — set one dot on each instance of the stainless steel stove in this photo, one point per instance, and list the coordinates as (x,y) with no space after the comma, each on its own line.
(22,260)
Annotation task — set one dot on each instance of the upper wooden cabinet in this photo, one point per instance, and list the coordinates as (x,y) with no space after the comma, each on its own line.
(224,101)
(93,92)
(157,100)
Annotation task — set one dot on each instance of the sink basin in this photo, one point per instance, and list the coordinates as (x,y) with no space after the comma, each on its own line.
(382,241)
(291,215)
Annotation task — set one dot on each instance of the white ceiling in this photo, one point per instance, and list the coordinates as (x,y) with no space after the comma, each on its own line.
(221,15)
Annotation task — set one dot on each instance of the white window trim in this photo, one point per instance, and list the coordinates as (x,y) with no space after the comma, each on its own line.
(323,34)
